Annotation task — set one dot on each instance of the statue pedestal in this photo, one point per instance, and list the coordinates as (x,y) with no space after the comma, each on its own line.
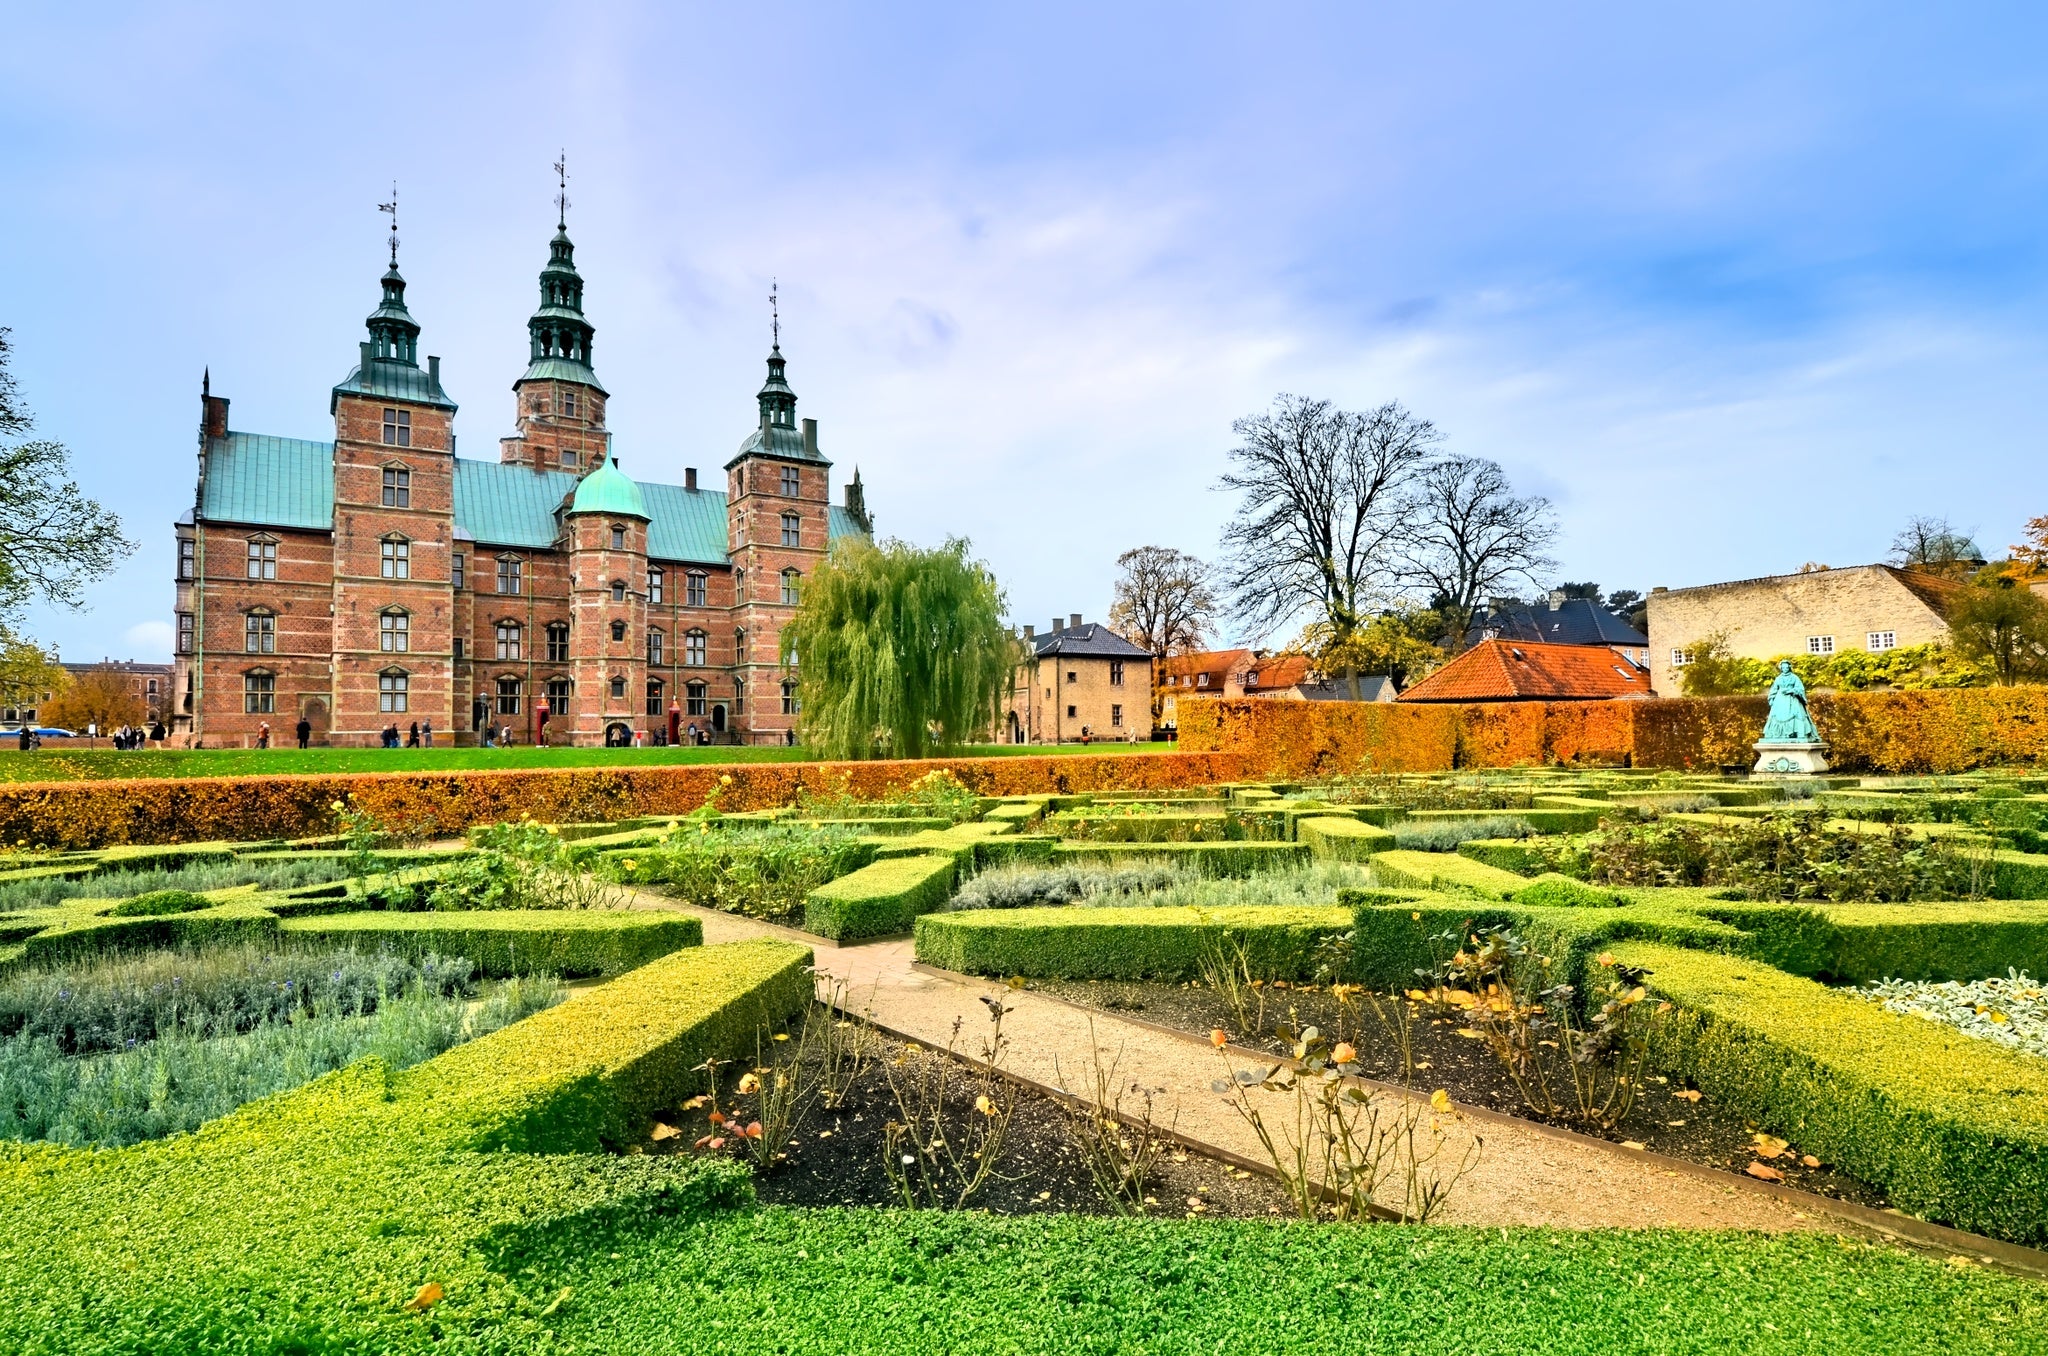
(1786,759)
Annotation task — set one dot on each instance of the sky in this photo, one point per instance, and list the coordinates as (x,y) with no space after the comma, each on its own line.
(1736,290)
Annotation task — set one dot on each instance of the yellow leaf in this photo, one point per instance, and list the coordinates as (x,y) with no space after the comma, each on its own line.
(1764,1173)
(984,1105)
(1469,1034)
(1440,1101)
(1218,1039)
(749,1083)
(429,1295)
(1687,1094)
(662,1132)
(1768,1146)
(1632,1144)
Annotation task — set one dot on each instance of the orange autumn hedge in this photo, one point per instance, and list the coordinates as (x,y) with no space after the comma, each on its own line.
(198,809)
(1946,730)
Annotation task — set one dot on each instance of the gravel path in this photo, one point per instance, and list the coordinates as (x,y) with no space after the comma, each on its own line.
(1524,1176)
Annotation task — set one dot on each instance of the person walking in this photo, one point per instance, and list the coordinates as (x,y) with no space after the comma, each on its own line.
(412,736)
(426,734)
(263,734)
(305,732)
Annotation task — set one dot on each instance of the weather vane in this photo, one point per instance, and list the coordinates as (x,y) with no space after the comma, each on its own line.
(774,314)
(390,209)
(562,191)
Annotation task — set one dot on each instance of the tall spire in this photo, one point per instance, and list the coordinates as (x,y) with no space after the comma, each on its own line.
(559,335)
(390,209)
(778,401)
(394,335)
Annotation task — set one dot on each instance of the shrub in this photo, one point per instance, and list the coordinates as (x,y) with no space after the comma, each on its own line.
(1125,943)
(1445,835)
(880,899)
(1019,887)
(1404,870)
(761,871)
(1345,839)
(1209,859)
(505,942)
(264,872)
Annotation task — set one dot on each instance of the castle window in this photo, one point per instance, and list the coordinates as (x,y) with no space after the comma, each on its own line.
(791,703)
(508,574)
(739,696)
(508,640)
(392,689)
(654,582)
(260,632)
(618,630)
(394,631)
(792,530)
(739,646)
(184,633)
(693,649)
(654,647)
(397,562)
(459,647)
(187,556)
(263,557)
(558,696)
(618,685)
(618,590)
(654,691)
(455,567)
(693,588)
(568,459)
(558,642)
(397,487)
(569,404)
(397,430)
(695,699)
(259,692)
(618,539)
(739,585)
(508,696)
(792,586)
(791,482)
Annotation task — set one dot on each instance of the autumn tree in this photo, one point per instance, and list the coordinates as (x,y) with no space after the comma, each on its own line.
(53,540)
(2031,555)
(1466,535)
(899,652)
(1399,643)
(2000,622)
(1164,602)
(1319,517)
(1929,544)
(101,697)
(27,672)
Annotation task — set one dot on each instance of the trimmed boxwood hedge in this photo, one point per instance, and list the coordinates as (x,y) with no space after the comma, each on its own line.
(1124,943)
(573,944)
(1344,839)
(1406,870)
(1506,854)
(1210,859)
(1955,1128)
(881,898)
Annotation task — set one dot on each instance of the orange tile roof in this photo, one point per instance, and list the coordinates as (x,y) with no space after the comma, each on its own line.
(1503,670)
(1218,664)
(1277,672)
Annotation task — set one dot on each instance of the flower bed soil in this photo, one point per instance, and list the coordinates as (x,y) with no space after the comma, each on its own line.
(1665,1119)
(835,1158)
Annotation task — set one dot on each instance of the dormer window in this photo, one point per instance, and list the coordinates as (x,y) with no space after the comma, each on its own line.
(397,429)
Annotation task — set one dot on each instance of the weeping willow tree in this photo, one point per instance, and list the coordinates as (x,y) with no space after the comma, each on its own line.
(899,652)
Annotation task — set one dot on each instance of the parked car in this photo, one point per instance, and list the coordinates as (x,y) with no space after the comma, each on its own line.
(52,732)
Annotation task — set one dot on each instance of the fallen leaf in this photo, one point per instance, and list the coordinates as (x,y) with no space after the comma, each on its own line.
(1469,1034)
(1687,1094)
(748,1083)
(1674,1123)
(699,1100)
(1632,1144)
(1809,1160)
(1218,1039)
(664,1132)
(1440,1101)
(1768,1146)
(1764,1172)
(429,1295)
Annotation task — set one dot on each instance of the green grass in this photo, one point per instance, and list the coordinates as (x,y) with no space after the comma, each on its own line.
(55,764)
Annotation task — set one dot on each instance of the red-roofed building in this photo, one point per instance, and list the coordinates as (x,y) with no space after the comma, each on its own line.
(1529,671)
(1249,673)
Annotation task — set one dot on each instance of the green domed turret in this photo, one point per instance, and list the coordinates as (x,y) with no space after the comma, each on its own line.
(607,489)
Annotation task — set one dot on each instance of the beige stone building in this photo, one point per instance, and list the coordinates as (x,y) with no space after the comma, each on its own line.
(1087,684)
(1819,611)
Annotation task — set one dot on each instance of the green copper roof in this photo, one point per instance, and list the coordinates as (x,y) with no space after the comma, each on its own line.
(269,482)
(393,381)
(561,369)
(607,489)
(262,481)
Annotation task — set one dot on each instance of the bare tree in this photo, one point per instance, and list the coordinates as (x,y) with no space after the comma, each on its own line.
(1928,543)
(1315,533)
(1163,602)
(1467,535)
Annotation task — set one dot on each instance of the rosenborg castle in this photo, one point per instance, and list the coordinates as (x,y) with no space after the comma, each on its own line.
(380,580)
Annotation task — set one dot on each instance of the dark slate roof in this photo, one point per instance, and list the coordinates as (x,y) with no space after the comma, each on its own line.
(263,481)
(399,381)
(269,482)
(774,440)
(1087,641)
(1575,621)
(1372,687)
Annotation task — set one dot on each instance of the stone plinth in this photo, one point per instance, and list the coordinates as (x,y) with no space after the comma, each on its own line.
(1787,759)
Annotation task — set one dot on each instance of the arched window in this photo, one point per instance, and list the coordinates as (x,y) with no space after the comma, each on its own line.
(739,646)
(618,543)
(694,593)
(618,685)
(392,690)
(655,645)
(259,692)
(397,562)
(739,696)
(618,590)
(558,696)
(739,585)
(263,557)
(398,482)
(792,587)
(558,642)
(260,631)
(654,694)
(618,630)
(693,649)
(791,705)
(508,696)
(694,698)
(655,580)
(394,632)
(792,530)
(508,640)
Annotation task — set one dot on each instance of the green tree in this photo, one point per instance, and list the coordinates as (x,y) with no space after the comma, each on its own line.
(53,540)
(1715,672)
(899,652)
(27,672)
(1397,643)
(2003,624)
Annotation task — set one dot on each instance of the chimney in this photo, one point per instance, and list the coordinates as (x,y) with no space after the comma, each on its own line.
(810,437)
(1027,632)
(689,477)
(366,360)
(1054,629)
(213,415)
(434,371)
(1074,622)
(1556,599)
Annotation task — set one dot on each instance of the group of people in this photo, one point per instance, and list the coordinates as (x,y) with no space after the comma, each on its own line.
(127,737)
(416,736)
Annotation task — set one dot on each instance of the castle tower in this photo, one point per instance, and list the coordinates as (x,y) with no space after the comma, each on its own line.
(559,401)
(607,541)
(777,496)
(394,523)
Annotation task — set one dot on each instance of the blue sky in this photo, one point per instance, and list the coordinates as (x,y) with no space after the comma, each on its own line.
(1737,290)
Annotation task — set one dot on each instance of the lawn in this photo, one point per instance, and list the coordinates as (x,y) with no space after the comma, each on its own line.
(57,764)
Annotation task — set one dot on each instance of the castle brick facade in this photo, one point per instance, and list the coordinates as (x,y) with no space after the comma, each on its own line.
(380,579)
